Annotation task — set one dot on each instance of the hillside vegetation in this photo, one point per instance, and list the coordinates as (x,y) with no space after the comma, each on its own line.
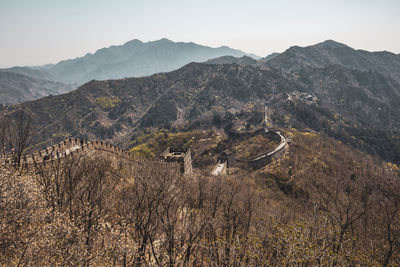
(356,107)
(324,203)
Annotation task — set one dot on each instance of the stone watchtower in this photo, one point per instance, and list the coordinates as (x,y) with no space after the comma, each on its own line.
(182,156)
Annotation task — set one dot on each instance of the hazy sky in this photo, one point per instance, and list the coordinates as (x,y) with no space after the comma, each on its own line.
(36,32)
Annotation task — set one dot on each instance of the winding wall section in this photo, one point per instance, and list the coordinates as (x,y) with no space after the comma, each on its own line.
(261,160)
(266,158)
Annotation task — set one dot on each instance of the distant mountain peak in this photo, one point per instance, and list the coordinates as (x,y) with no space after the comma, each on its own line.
(132,42)
(164,40)
(243,60)
(330,52)
(331,44)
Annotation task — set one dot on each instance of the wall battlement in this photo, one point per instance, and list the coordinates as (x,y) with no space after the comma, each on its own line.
(68,148)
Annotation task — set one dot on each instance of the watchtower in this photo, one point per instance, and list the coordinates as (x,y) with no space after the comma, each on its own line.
(182,156)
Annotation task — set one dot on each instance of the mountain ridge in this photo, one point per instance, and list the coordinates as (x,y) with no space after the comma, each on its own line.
(132,59)
(331,52)
(116,53)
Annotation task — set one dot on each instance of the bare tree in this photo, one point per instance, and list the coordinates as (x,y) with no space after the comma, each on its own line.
(138,210)
(347,202)
(384,222)
(15,134)
(81,187)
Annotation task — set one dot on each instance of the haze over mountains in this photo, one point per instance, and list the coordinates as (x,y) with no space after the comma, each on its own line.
(349,94)
(133,59)
(17,88)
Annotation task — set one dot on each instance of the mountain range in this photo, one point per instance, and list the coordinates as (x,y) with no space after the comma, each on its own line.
(322,55)
(132,59)
(351,95)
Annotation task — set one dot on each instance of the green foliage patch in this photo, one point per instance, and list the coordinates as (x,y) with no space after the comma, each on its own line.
(142,151)
(107,103)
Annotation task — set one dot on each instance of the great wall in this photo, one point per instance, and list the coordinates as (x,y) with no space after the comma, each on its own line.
(74,146)
(68,148)
(173,157)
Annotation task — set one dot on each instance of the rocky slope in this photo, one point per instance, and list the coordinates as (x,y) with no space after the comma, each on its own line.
(334,53)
